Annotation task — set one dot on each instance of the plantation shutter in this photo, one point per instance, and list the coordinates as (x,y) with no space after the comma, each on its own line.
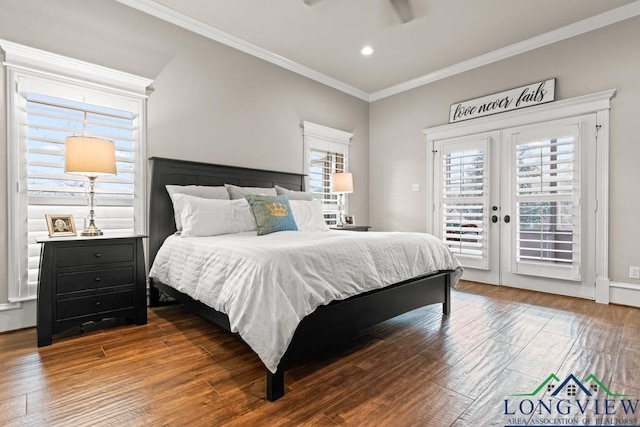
(547,202)
(326,152)
(464,202)
(321,165)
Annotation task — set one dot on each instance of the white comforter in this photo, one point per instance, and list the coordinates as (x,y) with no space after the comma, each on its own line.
(267,284)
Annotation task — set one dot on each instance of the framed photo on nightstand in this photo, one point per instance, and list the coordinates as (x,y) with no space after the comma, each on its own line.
(349,220)
(60,225)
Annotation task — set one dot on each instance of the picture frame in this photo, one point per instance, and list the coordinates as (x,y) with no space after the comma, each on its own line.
(60,225)
(350,220)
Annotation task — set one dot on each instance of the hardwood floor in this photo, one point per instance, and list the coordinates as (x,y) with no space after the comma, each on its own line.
(419,369)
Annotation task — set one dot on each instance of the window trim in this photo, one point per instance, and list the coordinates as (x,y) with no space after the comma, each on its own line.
(319,137)
(24,62)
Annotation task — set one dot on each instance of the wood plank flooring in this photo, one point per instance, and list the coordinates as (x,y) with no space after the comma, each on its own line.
(419,369)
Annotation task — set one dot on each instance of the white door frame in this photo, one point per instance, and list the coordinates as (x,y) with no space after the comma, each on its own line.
(598,103)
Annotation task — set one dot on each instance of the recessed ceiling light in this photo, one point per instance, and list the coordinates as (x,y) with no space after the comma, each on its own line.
(367,50)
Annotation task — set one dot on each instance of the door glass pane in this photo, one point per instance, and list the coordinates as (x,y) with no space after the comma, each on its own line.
(545,232)
(465,201)
(546,190)
(463,228)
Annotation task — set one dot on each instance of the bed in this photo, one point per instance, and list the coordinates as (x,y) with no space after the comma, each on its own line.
(326,326)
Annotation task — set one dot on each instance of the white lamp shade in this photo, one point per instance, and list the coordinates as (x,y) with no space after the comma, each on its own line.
(341,183)
(88,156)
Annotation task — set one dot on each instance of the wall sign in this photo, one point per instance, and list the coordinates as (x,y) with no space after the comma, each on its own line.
(513,99)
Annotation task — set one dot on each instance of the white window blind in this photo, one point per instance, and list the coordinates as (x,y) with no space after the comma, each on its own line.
(464,201)
(48,121)
(326,152)
(51,97)
(321,165)
(547,202)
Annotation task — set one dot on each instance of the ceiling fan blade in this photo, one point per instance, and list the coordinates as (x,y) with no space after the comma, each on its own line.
(310,2)
(403,9)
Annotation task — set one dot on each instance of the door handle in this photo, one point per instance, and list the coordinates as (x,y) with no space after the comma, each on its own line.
(507,219)
(494,218)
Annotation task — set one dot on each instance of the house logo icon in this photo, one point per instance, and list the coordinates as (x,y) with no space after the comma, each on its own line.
(571,387)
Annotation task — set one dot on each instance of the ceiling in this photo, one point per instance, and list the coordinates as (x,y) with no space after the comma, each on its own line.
(323,41)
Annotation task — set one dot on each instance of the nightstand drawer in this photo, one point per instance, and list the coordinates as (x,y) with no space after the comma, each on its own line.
(95,254)
(77,307)
(73,282)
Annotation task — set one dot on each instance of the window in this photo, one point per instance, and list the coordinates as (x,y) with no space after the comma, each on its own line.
(463,180)
(544,173)
(326,152)
(464,202)
(47,103)
(547,200)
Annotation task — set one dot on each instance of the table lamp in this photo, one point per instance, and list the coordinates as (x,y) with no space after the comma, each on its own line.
(91,157)
(341,184)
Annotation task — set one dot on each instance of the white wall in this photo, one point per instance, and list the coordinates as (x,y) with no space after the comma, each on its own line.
(608,58)
(211,103)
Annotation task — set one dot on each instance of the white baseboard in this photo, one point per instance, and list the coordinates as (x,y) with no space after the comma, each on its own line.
(17,315)
(624,294)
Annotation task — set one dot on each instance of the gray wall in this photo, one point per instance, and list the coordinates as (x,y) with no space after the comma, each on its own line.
(608,58)
(211,103)
(215,104)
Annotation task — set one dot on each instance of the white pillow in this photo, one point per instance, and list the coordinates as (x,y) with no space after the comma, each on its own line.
(293,194)
(308,215)
(204,191)
(212,217)
(243,216)
(236,192)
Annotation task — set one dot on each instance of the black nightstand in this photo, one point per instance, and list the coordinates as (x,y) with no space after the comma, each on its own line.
(89,279)
(353,228)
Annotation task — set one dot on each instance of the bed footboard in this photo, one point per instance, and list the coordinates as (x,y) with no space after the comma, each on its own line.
(335,324)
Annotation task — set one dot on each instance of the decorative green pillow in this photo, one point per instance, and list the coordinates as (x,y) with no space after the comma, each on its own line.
(272,214)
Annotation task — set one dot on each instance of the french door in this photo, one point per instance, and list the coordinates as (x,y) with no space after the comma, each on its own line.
(516,205)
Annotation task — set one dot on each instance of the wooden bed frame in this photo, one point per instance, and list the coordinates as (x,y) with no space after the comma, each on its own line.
(330,325)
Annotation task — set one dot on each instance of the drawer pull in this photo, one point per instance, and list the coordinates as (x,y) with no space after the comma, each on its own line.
(97,303)
(98,279)
(98,254)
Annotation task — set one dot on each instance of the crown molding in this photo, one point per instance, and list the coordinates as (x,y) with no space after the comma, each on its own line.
(27,58)
(325,132)
(589,24)
(167,14)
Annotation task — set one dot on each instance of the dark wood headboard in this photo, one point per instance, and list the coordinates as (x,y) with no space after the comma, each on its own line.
(183,172)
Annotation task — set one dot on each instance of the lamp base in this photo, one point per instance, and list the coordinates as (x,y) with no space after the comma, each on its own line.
(92,230)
